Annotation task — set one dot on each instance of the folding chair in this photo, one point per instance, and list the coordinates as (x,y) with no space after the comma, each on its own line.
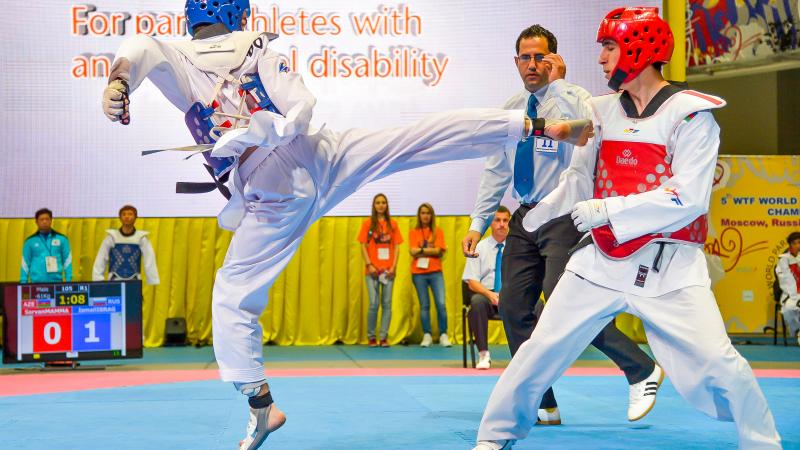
(467,336)
(776,297)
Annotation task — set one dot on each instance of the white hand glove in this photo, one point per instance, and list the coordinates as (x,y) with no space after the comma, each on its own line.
(589,214)
(537,217)
(115,102)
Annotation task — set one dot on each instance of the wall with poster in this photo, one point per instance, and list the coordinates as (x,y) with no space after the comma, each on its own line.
(724,31)
(370,63)
(755,204)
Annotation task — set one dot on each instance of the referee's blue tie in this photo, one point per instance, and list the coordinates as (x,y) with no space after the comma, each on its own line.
(523,161)
(498,268)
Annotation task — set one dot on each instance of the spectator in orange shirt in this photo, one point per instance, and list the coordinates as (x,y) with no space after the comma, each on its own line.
(427,248)
(379,238)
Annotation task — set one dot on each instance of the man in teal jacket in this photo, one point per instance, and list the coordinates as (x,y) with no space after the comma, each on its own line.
(46,257)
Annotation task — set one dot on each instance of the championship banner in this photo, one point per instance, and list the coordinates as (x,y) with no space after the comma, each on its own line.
(755,204)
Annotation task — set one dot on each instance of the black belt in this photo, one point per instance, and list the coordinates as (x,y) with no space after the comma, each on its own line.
(529,205)
(587,240)
(584,242)
(187,187)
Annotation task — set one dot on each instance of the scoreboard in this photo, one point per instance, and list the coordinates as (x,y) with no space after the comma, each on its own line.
(72,321)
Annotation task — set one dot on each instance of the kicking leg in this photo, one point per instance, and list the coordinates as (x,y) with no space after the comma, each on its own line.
(356,157)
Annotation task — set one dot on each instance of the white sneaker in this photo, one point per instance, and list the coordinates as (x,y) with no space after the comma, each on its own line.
(494,445)
(484,362)
(548,416)
(444,341)
(642,396)
(427,340)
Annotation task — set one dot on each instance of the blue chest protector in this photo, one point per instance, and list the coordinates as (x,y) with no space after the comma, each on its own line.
(126,259)
(200,120)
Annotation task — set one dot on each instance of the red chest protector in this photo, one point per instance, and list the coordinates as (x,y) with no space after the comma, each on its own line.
(634,157)
(795,268)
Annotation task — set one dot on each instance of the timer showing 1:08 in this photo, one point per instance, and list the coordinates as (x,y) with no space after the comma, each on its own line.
(77,299)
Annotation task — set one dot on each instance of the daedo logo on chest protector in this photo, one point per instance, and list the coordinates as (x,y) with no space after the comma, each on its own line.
(627,159)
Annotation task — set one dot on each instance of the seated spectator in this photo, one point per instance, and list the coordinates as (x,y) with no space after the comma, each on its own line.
(123,251)
(379,238)
(483,275)
(427,247)
(46,257)
(788,272)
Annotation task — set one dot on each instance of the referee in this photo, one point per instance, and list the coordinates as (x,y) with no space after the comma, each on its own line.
(533,262)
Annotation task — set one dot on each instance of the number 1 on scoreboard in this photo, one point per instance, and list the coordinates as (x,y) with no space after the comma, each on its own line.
(92,337)
(92,332)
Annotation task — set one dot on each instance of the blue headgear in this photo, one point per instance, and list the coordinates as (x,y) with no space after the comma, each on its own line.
(209,12)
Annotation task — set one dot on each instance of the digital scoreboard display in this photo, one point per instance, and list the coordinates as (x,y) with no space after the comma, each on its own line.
(72,321)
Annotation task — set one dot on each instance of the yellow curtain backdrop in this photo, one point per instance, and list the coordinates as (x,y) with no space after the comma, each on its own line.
(674,12)
(319,299)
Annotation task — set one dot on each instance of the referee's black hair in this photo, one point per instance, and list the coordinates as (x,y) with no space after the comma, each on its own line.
(539,31)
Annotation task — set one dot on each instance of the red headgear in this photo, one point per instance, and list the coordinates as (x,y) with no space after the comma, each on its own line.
(643,38)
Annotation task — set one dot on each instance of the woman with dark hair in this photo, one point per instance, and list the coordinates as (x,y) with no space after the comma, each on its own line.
(427,248)
(379,238)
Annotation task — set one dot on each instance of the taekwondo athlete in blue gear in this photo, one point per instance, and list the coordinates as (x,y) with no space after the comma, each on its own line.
(285,174)
(123,251)
(46,256)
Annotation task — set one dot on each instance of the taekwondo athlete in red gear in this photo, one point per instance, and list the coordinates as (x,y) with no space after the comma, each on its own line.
(283,175)
(640,190)
(787,272)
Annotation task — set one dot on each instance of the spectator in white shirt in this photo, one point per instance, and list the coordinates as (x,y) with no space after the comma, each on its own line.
(483,277)
(788,272)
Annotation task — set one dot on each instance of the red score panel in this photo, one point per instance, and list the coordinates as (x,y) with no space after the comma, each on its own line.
(52,334)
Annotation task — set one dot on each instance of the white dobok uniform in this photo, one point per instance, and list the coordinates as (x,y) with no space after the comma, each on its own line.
(296,175)
(655,174)
(788,272)
(125,256)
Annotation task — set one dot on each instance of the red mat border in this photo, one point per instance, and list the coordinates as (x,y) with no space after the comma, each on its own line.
(48,383)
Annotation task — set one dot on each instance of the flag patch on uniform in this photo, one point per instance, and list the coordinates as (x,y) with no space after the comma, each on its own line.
(676,198)
(690,117)
(283,67)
